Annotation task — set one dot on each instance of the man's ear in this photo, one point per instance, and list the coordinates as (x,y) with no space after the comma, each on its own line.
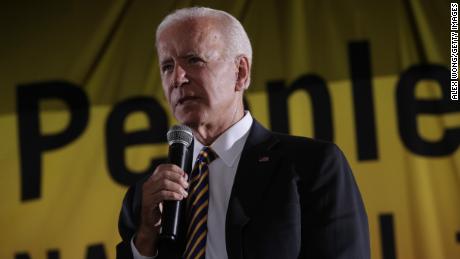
(242,73)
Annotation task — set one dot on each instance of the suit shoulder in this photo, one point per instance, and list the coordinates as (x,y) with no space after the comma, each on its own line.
(303,151)
(305,144)
(313,160)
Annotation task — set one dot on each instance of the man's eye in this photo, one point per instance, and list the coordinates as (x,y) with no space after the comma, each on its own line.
(166,68)
(195,60)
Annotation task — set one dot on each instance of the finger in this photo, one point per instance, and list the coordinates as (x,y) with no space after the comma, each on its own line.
(157,214)
(167,190)
(160,207)
(171,172)
(169,185)
(168,167)
(165,195)
(179,178)
(160,181)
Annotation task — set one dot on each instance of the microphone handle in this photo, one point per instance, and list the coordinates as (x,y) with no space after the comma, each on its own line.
(171,214)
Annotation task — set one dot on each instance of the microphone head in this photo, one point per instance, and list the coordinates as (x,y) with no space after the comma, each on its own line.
(180,134)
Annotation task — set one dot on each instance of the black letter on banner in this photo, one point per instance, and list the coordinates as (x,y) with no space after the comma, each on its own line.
(279,117)
(32,142)
(387,236)
(320,99)
(22,256)
(409,107)
(95,252)
(117,139)
(52,254)
(363,100)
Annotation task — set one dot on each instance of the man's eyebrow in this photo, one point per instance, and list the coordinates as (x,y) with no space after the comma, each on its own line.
(166,61)
(189,55)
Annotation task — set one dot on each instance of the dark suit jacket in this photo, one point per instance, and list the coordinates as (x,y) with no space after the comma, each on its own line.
(301,202)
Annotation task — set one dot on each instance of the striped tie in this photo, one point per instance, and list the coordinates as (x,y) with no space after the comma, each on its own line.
(198,206)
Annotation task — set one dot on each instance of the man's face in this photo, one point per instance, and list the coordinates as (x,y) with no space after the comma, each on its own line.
(198,79)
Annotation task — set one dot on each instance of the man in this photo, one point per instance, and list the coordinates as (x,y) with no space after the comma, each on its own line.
(267,195)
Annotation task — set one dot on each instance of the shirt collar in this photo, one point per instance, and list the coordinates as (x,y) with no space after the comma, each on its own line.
(230,144)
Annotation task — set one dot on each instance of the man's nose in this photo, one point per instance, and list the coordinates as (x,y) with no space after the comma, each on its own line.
(180,76)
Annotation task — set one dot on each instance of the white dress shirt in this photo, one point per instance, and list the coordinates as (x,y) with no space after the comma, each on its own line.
(222,170)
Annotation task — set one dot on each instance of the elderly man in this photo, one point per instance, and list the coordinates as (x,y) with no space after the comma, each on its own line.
(256,194)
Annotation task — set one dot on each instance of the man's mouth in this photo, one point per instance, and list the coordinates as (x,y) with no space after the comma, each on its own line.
(186,99)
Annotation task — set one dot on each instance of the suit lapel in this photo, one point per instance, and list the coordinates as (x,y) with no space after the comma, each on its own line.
(256,165)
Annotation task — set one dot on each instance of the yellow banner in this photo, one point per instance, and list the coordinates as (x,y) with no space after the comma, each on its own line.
(82,114)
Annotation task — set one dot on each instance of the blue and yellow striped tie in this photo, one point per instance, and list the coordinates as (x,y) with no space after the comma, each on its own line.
(198,206)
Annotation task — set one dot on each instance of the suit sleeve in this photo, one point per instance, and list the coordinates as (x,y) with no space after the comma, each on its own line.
(334,220)
(128,221)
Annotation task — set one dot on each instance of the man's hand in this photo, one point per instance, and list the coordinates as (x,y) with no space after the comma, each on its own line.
(168,182)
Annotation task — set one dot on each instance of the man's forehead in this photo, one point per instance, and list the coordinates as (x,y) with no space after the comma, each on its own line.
(193,27)
(186,38)
(168,49)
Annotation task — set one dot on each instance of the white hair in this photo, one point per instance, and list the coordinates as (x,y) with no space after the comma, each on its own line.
(236,36)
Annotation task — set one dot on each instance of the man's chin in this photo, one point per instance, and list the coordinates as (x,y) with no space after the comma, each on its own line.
(191,119)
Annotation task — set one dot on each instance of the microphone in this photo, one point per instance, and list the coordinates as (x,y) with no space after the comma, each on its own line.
(179,139)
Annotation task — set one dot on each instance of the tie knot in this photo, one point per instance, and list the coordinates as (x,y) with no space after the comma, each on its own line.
(207,155)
